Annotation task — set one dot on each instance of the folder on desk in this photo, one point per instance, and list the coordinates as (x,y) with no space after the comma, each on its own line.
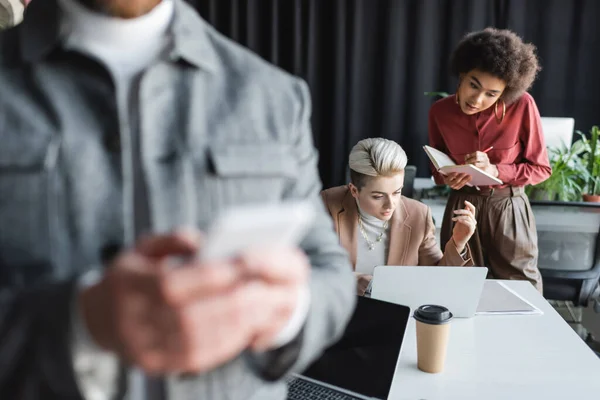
(499,299)
(444,165)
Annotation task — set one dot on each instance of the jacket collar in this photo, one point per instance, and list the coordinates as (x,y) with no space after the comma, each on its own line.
(40,30)
(400,230)
(41,33)
(347,225)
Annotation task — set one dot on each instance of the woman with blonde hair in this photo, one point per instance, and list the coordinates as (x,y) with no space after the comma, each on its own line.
(378,226)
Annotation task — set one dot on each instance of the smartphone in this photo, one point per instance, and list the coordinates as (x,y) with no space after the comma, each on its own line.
(249,227)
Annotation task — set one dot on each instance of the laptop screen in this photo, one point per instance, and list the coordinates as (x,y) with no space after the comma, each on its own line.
(364,359)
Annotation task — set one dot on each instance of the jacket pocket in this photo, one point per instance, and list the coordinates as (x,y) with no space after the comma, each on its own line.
(253,161)
(242,174)
(27,163)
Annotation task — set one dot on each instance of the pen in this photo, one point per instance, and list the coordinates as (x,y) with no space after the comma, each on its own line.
(485,151)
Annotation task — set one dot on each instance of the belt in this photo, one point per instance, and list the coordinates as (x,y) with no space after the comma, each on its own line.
(509,191)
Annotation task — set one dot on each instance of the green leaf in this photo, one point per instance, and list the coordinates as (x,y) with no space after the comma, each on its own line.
(579,147)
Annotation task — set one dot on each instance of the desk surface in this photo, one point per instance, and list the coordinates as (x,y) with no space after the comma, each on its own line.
(504,357)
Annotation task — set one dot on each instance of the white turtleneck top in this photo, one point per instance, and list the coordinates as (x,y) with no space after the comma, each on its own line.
(366,258)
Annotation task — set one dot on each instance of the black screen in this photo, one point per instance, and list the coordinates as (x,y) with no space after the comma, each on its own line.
(364,359)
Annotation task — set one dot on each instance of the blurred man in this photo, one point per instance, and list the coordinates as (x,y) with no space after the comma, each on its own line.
(122,122)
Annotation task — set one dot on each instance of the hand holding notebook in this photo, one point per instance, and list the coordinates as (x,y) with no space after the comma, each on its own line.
(444,165)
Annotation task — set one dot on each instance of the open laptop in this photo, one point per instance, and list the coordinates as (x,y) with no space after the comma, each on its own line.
(456,288)
(361,365)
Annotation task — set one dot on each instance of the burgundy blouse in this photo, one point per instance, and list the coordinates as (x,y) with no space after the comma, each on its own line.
(519,148)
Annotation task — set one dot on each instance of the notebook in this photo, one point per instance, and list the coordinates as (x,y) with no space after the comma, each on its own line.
(497,298)
(444,165)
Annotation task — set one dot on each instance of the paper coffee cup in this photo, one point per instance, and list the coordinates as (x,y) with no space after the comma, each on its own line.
(433,331)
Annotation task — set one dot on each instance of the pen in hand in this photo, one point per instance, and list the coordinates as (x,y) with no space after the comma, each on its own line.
(485,151)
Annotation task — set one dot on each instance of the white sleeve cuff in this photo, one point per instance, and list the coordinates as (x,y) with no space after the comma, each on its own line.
(96,370)
(296,321)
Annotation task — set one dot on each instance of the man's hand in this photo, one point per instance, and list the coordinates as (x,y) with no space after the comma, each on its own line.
(482,161)
(188,318)
(362,283)
(191,317)
(464,227)
(283,275)
(456,180)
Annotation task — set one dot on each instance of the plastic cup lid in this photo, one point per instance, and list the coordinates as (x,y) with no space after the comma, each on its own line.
(433,314)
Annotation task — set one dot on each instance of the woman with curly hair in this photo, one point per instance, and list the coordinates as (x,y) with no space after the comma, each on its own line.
(494,124)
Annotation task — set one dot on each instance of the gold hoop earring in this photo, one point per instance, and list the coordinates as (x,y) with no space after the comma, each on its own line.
(500,119)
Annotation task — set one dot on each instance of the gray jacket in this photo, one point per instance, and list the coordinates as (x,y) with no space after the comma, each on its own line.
(221,127)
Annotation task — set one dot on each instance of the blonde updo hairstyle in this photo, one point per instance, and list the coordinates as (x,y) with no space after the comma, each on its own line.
(375,157)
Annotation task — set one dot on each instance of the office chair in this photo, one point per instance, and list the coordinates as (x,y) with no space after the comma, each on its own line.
(410,173)
(569,255)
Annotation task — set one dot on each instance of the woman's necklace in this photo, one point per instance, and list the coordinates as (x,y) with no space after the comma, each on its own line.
(364,233)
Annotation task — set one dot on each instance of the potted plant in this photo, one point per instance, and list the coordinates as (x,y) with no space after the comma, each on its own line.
(569,175)
(592,160)
(575,171)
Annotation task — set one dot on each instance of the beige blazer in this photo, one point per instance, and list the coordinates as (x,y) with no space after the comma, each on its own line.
(412,233)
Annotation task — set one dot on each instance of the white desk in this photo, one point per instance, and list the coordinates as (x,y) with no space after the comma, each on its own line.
(505,358)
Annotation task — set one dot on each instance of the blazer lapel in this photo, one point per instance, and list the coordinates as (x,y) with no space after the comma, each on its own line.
(347,219)
(399,236)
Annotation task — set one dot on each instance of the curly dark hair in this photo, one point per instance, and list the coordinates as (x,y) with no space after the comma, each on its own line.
(501,53)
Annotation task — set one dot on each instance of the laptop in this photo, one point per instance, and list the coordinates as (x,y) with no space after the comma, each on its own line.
(456,288)
(361,365)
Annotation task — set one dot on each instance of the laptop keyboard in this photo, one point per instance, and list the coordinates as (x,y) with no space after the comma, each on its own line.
(300,389)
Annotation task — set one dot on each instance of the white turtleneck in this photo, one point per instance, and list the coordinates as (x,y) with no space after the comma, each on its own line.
(366,258)
(141,41)
(126,47)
